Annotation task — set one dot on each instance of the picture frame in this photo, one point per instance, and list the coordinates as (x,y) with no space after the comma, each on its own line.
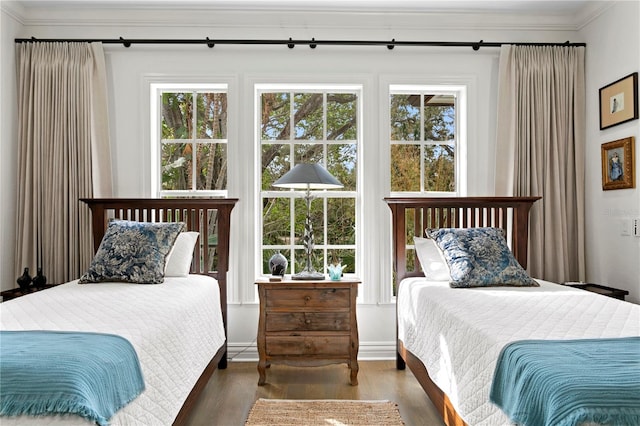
(618,164)
(619,101)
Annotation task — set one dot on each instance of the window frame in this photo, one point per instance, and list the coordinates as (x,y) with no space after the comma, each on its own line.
(156,92)
(319,195)
(459,92)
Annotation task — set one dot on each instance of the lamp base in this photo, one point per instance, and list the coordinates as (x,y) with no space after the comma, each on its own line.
(306,275)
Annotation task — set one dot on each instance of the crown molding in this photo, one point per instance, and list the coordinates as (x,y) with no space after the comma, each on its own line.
(282,15)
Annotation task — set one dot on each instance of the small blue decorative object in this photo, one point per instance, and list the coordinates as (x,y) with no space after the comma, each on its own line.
(278,264)
(335,272)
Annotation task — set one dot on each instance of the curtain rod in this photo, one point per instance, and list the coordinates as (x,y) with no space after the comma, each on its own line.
(313,43)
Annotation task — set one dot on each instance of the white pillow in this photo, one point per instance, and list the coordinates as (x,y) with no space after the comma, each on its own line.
(434,265)
(179,258)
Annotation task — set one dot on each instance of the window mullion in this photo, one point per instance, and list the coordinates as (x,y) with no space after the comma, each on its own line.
(422,144)
(194,138)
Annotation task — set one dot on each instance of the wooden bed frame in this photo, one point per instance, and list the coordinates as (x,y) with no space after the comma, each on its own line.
(508,213)
(199,215)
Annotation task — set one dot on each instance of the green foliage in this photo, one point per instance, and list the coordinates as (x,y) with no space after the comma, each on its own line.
(183,145)
(435,140)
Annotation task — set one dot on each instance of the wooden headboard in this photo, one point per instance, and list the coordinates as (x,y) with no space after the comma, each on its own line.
(410,216)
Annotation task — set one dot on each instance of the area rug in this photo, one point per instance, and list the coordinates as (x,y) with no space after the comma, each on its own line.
(334,412)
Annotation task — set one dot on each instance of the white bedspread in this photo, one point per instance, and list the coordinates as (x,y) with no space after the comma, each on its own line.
(176,328)
(459,333)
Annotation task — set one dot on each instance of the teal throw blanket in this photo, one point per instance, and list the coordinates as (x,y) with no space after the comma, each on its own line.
(49,372)
(567,382)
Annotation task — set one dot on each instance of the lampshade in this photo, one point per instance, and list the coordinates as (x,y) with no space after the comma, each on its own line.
(308,176)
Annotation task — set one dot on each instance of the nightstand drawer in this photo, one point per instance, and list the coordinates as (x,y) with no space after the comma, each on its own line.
(308,321)
(308,345)
(308,298)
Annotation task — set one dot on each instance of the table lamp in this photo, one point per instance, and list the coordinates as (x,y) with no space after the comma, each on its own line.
(308,176)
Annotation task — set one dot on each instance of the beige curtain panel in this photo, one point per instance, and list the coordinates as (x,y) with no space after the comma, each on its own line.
(63,154)
(540,151)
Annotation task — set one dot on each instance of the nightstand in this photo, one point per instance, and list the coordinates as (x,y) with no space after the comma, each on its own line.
(308,323)
(17,292)
(600,289)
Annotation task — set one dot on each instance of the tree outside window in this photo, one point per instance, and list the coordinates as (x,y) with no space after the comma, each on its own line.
(193,159)
(423,142)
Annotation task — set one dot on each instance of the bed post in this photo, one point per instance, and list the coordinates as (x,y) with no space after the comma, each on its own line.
(224,224)
(399,264)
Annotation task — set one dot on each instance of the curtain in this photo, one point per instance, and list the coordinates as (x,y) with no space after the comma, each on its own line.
(540,151)
(63,155)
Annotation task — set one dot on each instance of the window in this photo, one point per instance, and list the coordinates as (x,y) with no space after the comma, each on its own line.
(316,125)
(192,128)
(424,142)
(426,132)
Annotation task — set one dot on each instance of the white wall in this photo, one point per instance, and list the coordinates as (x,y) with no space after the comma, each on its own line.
(129,73)
(613,51)
(131,70)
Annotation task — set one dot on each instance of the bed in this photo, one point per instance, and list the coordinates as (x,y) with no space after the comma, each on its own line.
(453,351)
(178,328)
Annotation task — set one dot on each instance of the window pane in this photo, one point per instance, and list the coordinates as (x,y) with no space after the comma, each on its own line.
(341,116)
(405,167)
(341,163)
(211,163)
(439,121)
(276,221)
(317,261)
(405,117)
(341,221)
(308,153)
(177,110)
(212,241)
(266,255)
(346,257)
(212,115)
(439,168)
(176,166)
(317,220)
(308,116)
(275,116)
(275,163)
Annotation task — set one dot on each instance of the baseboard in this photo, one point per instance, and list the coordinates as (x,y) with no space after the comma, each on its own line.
(368,351)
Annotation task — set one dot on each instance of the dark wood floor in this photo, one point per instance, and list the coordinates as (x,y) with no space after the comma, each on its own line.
(230,393)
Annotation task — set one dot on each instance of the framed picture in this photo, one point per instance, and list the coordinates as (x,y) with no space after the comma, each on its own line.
(619,101)
(618,164)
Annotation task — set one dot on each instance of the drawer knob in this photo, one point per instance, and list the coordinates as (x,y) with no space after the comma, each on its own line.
(307,298)
(308,321)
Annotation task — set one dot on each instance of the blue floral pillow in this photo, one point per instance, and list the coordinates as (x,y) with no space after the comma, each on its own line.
(479,257)
(133,252)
